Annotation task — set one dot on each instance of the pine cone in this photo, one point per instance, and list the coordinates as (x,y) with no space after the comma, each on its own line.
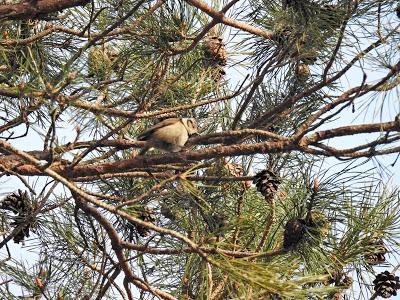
(347,281)
(338,296)
(303,71)
(378,255)
(146,215)
(386,284)
(267,183)
(237,171)
(17,202)
(23,233)
(314,227)
(214,52)
(215,55)
(294,233)
(340,278)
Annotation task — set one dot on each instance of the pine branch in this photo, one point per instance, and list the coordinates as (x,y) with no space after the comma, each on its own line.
(36,9)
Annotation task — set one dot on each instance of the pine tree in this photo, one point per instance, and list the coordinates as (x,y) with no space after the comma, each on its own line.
(282,195)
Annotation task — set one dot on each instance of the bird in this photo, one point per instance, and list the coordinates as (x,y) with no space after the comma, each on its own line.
(169,135)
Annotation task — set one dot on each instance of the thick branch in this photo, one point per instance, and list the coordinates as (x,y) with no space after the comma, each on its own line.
(284,145)
(146,161)
(35,9)
(351,130)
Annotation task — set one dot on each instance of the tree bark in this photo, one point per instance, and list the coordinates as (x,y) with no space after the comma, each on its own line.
(35,9)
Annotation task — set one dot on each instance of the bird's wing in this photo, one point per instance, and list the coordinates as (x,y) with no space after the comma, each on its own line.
(149,131)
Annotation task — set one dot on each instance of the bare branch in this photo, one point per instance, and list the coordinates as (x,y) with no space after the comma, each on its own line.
(36,9)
